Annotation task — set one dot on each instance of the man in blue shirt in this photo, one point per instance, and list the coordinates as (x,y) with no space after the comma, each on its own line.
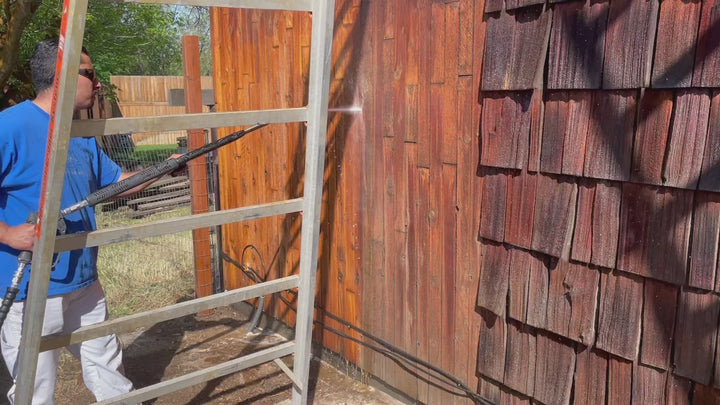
(75,296)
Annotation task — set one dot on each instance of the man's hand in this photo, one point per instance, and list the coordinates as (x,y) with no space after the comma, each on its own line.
(180,171)
(20,237)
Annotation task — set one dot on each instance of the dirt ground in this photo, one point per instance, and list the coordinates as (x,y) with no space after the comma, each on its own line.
(183,345)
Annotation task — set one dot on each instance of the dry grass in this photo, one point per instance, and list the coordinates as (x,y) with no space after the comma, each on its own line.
(145,274)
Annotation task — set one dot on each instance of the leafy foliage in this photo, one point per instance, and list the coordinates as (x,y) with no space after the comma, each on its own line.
(122,39)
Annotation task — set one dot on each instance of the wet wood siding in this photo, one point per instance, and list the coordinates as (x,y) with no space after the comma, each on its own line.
(399,256)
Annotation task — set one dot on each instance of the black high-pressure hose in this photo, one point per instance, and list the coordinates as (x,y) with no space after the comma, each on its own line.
(106,193)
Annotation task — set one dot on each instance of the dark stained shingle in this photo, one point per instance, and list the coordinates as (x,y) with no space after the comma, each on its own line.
(514,47)
(651,138)
(648,385)
(520,358)
(572,301)
(675,45)
(597,223)
(577,45)
(492,219)
(608,150)
(655,232)
(567,120)
(493,5)
(704,252)
(621,299)
(710,176)
(519,284)
(505,129)
(554,214)
(553,370)
(695,336)
(590,377)
(703,394)
(619,381)
(628,43)
(512,4)
(687,138)
(707,57)
(520,208)
(493,286)
(658,322)
(491,346)
(679,390)
(537,292)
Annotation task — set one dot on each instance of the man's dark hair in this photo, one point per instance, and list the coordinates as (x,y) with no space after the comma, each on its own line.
(42,63)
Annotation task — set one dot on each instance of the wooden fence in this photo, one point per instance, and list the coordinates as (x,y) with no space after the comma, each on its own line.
(399,253)
(140,96)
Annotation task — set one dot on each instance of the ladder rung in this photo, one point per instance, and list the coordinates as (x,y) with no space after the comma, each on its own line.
(174,225)
(291,5)
(152,317)
(113,126)
(200,376)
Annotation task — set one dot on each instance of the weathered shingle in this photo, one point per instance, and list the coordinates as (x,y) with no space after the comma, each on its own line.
(687,138)
(519,215)
(572,301)
(648,385)
(695,336)
(492,219)
(704,252)
(610,136)
(554,215)
(512,4)
(710,176)
(519,284)
(590,377)
(679,390)
(538,292)
(707,57)
(653,129)
(514,47)
(553,370)
(577,45)
(658,322)
(621,299)
(675,45)
(655,232)
(619,381)
(505,129)
(492,6)
(628,44)
(597,223)
(520,358)
(491,346)
(493,286)
(566,125)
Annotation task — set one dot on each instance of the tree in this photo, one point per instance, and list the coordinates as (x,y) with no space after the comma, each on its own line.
(15,15)
(122,39)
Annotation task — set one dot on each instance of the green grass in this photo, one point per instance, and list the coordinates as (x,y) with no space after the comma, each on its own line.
(145,155)
(145,274)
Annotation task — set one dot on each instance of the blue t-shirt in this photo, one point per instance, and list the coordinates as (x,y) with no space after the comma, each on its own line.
(23,140)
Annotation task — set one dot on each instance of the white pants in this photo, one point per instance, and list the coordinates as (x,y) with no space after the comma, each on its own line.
(101,358)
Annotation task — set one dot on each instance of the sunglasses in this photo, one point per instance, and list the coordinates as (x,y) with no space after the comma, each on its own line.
(89,73)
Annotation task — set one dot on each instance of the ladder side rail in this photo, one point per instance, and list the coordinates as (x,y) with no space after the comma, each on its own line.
(66,77)
(318,98)
(113,126)
(132,322)
(175,225)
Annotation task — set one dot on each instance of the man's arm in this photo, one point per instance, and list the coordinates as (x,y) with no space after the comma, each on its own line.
(20,237)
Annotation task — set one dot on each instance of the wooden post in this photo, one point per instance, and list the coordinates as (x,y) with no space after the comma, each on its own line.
(196,167)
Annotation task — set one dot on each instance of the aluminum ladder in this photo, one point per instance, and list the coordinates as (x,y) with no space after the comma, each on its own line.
(62,128)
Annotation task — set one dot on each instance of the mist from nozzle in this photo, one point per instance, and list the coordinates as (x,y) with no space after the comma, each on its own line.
(346,110)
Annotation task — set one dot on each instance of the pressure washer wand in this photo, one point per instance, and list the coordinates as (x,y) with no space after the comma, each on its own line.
(158,170)
(106,193)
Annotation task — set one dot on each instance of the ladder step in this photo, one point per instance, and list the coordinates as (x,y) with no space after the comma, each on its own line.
(152,317)
(200,376)
(114,126)
(290,5)
(175,225)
